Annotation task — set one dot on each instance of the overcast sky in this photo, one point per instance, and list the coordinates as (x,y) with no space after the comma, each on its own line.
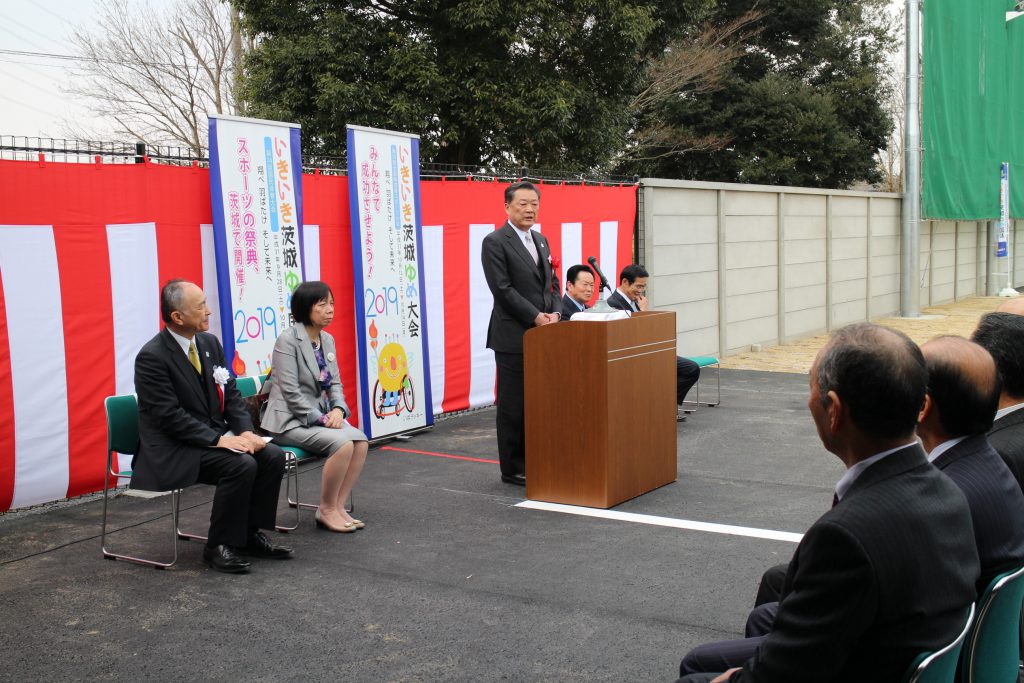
(31,102)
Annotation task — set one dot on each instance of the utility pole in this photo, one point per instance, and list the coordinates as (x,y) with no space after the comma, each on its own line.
(910,247)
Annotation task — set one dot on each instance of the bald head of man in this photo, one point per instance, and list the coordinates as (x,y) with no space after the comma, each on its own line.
(867,386)
(963,391)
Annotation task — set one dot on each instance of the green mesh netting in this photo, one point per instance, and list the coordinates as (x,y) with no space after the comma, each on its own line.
(972,108)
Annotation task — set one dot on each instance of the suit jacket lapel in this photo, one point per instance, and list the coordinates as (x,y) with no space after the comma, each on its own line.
(180,361)
(543,254)
(512,235)
(209,386)
(306,350)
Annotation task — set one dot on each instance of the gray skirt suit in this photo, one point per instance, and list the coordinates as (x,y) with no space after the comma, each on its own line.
(297,400)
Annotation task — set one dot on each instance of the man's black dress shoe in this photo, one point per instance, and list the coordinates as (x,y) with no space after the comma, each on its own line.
(223,559)
(517,479)
(260,546)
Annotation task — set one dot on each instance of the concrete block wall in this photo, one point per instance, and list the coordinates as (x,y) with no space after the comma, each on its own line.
(754,264)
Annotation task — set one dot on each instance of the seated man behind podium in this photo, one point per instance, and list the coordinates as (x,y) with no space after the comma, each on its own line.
(1002,335)
(890,570)
(579,288)
(193,427)
(630,296)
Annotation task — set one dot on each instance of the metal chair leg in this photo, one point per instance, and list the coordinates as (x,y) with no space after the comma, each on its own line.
(291,467)
(108,555)
(309,506)
(177,530)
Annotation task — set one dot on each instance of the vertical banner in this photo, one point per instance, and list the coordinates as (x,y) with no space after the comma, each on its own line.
(256,193)
(1004,210)
(387,253)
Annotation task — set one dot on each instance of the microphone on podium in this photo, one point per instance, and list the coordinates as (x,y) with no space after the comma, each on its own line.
(604,281)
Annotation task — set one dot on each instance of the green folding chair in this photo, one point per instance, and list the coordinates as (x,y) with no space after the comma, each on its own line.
(992,650)
(250,386)
(940,666)
(704,362)
(123,437)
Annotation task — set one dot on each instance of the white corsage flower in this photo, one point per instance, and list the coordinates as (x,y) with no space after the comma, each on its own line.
(220,375)
(330,357)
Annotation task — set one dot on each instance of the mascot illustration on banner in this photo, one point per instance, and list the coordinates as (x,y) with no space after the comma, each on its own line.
(393,391)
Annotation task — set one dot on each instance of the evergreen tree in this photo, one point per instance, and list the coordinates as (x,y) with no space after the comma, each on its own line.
(802,107)
(538,83)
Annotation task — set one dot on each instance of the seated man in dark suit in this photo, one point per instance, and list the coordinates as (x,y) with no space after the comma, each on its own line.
(1002,335)
(630,296)
(963,389)
(193,427)
(890,570)
(579,287)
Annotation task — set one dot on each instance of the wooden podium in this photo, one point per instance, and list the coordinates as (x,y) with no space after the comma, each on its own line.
(600,409)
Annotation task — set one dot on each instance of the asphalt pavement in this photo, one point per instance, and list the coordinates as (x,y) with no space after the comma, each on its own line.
(450,580)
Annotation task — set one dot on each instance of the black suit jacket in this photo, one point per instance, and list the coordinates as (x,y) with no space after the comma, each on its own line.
(620,302)
(1007,437)
(569,307)
(884,575)
(179,411)
(996,502)
(521,288)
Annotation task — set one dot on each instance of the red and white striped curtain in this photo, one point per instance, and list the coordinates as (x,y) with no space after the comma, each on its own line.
(84,249)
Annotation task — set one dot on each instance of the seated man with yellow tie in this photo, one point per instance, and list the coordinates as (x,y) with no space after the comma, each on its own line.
(194,427)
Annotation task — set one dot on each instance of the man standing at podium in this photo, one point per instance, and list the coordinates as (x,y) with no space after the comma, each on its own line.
(631,296)
(517,266)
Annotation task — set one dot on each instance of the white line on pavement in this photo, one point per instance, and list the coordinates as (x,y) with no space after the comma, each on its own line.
(663,521)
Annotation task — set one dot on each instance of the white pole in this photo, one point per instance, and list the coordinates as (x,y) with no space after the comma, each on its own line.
(910,261)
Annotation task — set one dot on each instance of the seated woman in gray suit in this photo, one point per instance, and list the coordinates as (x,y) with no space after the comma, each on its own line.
(306,407)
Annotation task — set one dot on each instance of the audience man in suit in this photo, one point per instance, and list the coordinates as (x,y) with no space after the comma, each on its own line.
(579,287)
(630,296)
(963,389)
(517,266)
(890,570)
(194,427)
(1002,335)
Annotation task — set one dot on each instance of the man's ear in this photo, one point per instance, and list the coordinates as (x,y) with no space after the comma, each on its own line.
(836,411)
(927,408)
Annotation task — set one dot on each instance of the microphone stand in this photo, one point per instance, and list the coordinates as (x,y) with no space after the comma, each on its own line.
(602,304)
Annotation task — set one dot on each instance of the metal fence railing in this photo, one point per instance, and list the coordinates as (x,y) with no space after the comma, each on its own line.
(23,148)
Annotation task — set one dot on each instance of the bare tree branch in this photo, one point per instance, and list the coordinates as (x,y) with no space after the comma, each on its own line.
(689,67)
(156,76)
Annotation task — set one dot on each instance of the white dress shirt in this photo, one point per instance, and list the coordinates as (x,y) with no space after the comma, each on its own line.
(528,242)
(851,475)
(183,342)
(1003,412)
